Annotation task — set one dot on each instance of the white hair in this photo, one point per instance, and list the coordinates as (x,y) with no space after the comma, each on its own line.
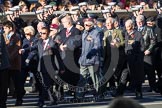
(112,20)
(129,22)
(29,29)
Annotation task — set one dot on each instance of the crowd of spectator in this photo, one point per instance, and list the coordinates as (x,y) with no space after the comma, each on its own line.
(26,6)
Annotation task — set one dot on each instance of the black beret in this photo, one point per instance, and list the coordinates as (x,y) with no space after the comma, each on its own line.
(150,19)
(91,15)
(80,22)
(101,20)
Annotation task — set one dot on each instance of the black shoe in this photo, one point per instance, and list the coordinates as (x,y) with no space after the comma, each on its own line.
(114,94)
(52,103)
(69,93)
(18,103)
(149,90)
(156,90)
(119,91)
(13,95)
(24,92)
(40,104)
(139,95)
(3,106)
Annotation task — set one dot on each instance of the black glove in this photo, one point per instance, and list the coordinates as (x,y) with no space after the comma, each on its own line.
(89,56)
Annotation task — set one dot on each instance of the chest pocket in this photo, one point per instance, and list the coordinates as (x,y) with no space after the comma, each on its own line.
(48,52)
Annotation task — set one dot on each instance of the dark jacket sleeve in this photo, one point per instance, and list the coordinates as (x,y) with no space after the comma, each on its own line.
(33,51)
(15,45)
(35,47)
(58,57)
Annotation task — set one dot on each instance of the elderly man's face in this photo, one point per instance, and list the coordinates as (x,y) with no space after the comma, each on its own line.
(128,27)
(40,26)
(139,23)
(65,22)
(109,25)
(88,25)
(44,34)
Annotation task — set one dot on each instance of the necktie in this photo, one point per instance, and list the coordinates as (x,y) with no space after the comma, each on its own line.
(67,33)
(8,37)
(140,29)
(109,33)
(43,43)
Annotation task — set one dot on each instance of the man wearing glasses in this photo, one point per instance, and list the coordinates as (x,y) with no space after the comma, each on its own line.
(30,60)
(47,51)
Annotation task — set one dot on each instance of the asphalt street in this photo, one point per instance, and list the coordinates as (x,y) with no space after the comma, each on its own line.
(150,100)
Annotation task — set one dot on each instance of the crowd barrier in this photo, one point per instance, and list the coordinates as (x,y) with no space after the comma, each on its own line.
(29,16)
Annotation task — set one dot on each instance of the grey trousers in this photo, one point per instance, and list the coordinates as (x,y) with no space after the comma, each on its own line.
(91,71)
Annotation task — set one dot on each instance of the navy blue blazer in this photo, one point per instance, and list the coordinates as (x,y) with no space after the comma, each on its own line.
(30,55)
(47,57)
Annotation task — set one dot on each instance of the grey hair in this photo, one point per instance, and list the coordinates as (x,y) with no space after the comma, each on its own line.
(140,18)
(42,23)
(68,18)
(112,20)
(130,22)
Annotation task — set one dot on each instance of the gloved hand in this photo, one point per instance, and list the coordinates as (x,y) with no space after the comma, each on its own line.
(89,56)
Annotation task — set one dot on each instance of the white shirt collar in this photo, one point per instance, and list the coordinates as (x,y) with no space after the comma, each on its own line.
(69,28)
(9,35)
(46,43)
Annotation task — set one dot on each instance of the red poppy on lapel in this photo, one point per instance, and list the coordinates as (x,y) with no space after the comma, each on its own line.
(132,35)
(68,34)
(48,46)
(31,43)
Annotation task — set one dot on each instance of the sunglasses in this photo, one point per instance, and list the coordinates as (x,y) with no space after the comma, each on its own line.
(43,33)
(27,34)
(87,25)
